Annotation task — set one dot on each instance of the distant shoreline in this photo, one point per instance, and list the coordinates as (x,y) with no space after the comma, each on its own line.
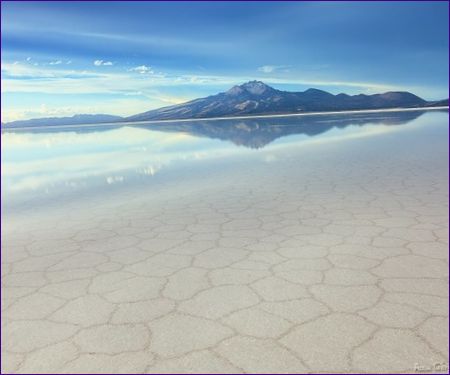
(230,118)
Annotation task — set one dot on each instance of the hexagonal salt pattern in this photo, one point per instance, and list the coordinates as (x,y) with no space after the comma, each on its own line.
(337,263)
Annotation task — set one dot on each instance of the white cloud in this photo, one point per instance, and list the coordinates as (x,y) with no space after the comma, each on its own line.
(20,70)
(142,69)
(56,62)
(28,60)
(266,69)
(37,112)
(151,151)
(69,62)
(90,82)
(102,63)
(273,68)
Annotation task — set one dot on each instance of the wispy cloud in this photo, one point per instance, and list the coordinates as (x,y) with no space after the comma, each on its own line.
(120,107)
(273,68)
(102,63)
(29,61)
(56,62)
(41,111)
(22,71)
(142,69)
(18,77)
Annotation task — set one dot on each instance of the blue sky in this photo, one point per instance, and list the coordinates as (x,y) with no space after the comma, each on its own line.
(62,58)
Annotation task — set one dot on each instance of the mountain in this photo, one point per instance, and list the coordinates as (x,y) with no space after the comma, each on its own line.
(439,103)
(56,121)
(257,98)
(251,98)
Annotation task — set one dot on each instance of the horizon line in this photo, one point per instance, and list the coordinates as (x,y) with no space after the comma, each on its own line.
(322,113)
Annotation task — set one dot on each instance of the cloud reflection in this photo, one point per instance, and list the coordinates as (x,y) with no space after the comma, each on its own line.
(57,160)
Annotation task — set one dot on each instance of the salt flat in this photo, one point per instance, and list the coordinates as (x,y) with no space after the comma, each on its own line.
(141,251)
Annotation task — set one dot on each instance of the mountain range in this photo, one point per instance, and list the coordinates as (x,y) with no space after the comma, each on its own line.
(56,121)
(251,99)
(257,98)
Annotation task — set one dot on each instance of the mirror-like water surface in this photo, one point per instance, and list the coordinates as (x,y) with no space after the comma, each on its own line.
(45,164)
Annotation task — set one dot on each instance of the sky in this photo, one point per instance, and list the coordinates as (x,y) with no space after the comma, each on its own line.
(123,58)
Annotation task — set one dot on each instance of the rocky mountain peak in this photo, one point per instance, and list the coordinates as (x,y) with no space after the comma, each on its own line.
(255,87)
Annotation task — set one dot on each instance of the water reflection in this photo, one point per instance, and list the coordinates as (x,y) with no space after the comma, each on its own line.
(38,162)
(257,133)
(252,133)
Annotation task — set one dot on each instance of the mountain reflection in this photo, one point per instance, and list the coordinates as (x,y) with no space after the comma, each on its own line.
(254,133)
(59,160)
(259,132)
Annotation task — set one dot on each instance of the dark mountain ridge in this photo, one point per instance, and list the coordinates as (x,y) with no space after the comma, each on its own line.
(257,98)
(56,121)
(251,99)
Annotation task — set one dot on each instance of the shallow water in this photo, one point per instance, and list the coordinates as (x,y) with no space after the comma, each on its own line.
(41,166)
(227,246)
